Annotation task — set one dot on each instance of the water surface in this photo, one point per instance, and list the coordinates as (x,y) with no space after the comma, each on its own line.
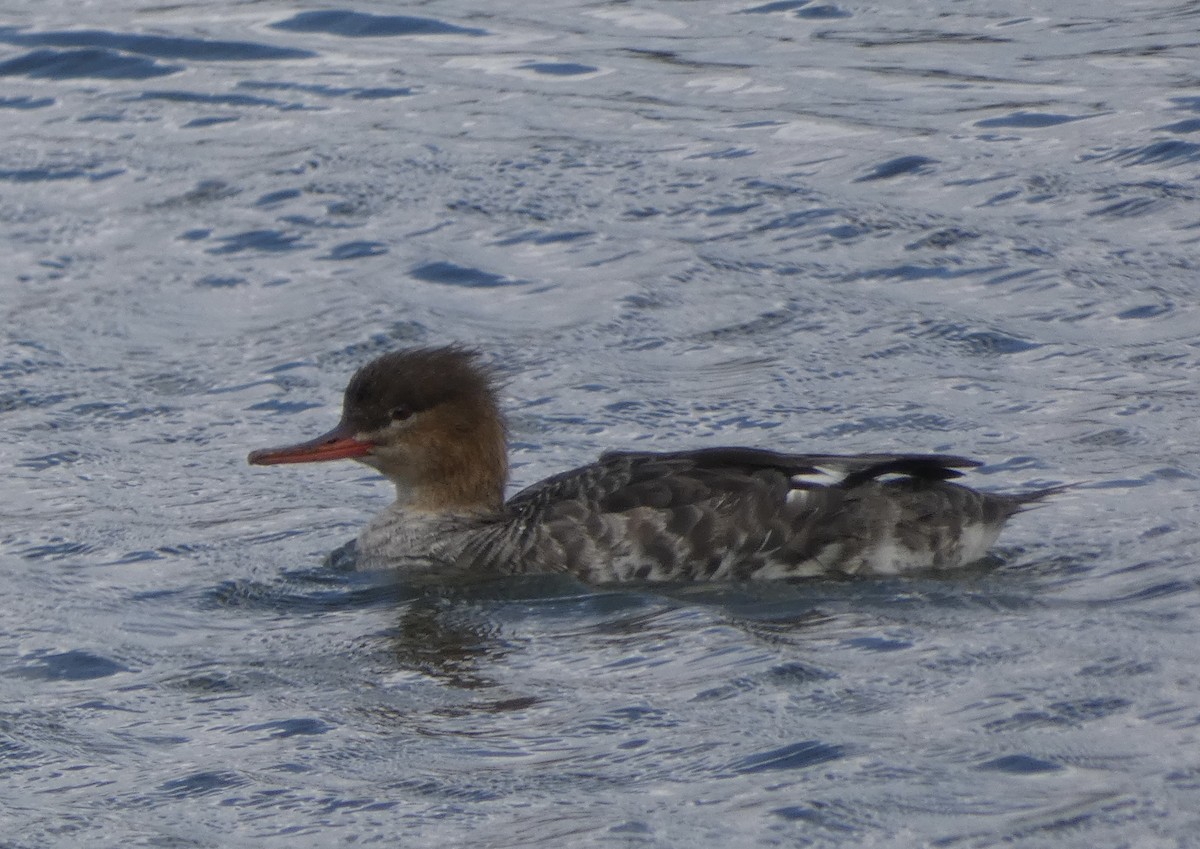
(962,227)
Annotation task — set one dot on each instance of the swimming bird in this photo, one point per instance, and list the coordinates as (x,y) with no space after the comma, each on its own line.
(428,419)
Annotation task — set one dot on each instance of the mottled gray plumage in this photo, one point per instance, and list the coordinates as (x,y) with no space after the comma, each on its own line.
(715,515)
(428,420)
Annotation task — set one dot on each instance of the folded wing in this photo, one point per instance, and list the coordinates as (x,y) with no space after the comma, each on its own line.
(742,513)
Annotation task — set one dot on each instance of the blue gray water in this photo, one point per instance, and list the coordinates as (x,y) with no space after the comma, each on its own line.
(946,226)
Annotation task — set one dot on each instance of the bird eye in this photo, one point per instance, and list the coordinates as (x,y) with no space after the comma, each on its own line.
(401,413)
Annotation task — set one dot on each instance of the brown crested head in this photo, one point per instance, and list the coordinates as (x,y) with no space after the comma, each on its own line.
(428,419)
(436,427)
(401,384)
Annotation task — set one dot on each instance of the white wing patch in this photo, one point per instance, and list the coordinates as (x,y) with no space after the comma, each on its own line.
(803,485)
(796,497)
(819,477)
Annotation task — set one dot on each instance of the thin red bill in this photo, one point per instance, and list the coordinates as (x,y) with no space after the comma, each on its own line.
(338,444)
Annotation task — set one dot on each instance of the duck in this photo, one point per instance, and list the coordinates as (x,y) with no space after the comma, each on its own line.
(429,420)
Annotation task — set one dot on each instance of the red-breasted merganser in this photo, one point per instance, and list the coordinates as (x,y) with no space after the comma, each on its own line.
(428,420)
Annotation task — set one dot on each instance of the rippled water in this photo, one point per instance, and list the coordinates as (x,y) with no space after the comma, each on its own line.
(957,226)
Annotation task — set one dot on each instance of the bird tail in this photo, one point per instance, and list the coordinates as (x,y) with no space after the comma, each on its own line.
(1034,498)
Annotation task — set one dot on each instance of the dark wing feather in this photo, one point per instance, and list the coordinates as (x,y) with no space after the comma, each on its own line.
(866,466)
(621,480)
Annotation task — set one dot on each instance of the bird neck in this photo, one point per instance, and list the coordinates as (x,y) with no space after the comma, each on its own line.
(462,466)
